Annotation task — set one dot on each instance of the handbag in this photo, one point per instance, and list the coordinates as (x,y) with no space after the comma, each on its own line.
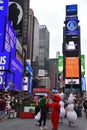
(37,117)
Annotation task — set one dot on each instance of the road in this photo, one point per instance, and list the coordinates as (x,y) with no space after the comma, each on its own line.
(30,124)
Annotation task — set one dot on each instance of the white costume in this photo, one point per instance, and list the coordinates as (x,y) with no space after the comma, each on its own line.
(71,114)
(62,110)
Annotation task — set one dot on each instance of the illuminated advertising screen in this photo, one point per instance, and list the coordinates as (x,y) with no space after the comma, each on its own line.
(60,64)
(83,83)
(17,68)
(71,10)
(10,39)
(4,7)
(82,65)
(71,25)
(2,24)
(3,13)
(4,61)
(10,81)
(16,15)
(72,67)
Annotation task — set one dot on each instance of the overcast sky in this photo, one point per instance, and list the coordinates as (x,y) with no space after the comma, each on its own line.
(52,14)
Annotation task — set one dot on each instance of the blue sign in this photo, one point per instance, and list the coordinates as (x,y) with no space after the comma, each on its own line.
(2,79)
(4,61)
(71,25)
(2,24)
(71,10)
(3,8)
(10,39)
(17,68)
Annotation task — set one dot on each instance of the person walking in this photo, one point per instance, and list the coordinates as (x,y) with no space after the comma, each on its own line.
(55,111)
(43,110)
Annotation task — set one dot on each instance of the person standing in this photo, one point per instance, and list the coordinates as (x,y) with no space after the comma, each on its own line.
(55,111)
(2,106)
(85,107)
(43,110)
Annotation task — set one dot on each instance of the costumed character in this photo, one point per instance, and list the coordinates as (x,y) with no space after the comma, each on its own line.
(62,109)
(55,111)
(71,114)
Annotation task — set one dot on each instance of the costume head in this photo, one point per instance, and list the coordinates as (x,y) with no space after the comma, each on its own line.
(56,98)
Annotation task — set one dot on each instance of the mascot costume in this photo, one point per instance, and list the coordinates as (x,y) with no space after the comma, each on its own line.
(55,107)
(71,114)
(62,109)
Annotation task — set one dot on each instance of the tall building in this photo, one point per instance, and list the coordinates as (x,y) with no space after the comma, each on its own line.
(35,47)
(43,59)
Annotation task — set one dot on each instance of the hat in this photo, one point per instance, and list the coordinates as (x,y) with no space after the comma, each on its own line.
(56,98)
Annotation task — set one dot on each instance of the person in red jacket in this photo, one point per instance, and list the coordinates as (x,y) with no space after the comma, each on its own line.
(55,114)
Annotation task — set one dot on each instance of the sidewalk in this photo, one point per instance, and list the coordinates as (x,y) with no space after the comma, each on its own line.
(30,124)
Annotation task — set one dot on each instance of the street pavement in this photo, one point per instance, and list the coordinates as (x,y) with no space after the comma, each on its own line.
(30,124)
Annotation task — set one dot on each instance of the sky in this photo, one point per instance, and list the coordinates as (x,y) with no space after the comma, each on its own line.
(52,14)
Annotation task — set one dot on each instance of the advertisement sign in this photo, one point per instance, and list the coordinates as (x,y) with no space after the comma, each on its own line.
(72,67)
(83,83)
(2,78)
(82,65)
(60,64)
(2,25)
(3,8)
(71,25)
(16,15)
(10,39)
(72,81)
(25,86)
(4,61)
(71,10)
(17,68)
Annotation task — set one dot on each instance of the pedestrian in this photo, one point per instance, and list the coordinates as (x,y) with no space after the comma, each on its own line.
(43,110)
(55,111)
(85,107)
(2,106)
(37,109)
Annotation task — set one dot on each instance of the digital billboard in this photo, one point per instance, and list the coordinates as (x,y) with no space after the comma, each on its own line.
(10,39)
(71,10)
(3,14)
(16,15)
(72,67)
(71,25)
(82,65)
(3,8)
(2,79)
(83,83)
(4,61)
(60,64)
(17,68)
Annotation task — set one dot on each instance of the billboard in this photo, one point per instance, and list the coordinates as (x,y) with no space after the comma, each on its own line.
(17,68)
(71,25)
(10,39)
(82,65)
(72,67)
(16,15)
(4,61)
(60,64)
(71,10)
(3,8)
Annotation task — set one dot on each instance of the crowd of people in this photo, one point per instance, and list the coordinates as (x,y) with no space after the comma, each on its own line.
(58,105)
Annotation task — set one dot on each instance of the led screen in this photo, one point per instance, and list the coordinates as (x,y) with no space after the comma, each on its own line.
(71,25)
(17,68)
(72,67)
(83,83)
(2,23)
(71,9)
(4,61)
(60,64)
(10,39)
